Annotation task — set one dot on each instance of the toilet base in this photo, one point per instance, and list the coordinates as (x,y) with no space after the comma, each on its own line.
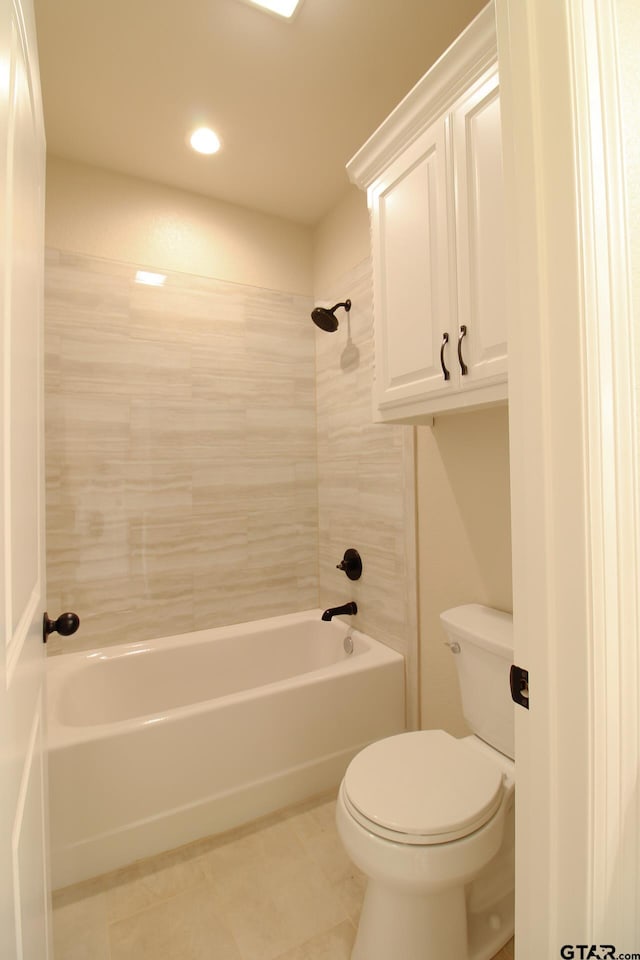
(395,923)
(490,930)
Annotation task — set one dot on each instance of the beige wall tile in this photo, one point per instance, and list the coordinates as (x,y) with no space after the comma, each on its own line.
(181,452)
(361,473)
(182,443)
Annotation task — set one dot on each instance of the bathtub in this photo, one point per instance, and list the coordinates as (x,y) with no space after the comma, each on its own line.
(158,743)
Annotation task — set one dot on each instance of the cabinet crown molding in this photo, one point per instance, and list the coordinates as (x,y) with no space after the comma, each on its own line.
(459,66)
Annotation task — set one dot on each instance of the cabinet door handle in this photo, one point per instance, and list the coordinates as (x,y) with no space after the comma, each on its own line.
(464,370)
(445,340)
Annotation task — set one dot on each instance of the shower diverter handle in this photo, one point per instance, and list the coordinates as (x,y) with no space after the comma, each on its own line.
(351,564)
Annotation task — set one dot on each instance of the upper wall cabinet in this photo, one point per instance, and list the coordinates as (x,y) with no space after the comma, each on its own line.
(433,174)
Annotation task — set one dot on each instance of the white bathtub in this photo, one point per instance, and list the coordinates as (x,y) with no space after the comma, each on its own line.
(155,744)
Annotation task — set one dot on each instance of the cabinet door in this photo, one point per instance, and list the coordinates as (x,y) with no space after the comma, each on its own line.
(480,233)
(411,273)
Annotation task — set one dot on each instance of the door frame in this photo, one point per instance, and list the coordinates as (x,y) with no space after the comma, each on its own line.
(25,889)
(575,471)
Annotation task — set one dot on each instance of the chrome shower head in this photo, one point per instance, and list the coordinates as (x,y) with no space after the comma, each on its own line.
(326,319)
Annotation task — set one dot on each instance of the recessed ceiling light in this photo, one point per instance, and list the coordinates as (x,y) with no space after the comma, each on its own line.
(150,279)
(205,141)
(284,8)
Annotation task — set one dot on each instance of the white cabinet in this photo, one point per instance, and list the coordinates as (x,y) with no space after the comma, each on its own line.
(433,173)
(410,236)
(480,237)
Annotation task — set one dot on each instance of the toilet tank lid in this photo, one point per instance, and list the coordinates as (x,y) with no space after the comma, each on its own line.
(492,629)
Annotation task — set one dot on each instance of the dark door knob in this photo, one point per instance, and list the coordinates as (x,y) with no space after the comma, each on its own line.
(65,625)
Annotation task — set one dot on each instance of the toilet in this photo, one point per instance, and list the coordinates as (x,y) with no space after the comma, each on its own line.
(429,819)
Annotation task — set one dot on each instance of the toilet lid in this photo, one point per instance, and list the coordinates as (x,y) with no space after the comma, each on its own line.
(423,787)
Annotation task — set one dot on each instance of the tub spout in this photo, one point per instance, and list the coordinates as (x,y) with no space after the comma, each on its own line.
(348,608)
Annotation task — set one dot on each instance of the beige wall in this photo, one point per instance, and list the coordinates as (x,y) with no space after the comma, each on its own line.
(341,240)
(464,541)
(103,214)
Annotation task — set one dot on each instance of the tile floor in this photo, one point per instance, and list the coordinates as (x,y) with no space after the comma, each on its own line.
(278,889)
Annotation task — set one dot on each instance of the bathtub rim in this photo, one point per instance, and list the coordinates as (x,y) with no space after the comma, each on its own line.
(61,666)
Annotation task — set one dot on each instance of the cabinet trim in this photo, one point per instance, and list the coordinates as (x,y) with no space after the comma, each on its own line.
(475,50)
(416,411)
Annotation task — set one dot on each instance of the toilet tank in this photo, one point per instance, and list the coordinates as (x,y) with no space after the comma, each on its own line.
(481,640)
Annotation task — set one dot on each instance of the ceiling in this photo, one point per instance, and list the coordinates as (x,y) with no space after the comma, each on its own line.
(126,81)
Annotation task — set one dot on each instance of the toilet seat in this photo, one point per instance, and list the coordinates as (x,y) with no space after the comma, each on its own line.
(422,788)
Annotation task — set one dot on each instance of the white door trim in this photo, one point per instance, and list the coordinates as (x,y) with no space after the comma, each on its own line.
(25,919)
(575,477)
(613,521)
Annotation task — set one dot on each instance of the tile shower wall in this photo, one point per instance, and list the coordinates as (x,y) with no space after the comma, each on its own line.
(180,451)
(364,480)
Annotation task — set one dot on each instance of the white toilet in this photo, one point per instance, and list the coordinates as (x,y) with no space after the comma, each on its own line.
(429,819)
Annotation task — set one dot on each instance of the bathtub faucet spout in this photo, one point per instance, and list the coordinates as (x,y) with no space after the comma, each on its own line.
(348,608)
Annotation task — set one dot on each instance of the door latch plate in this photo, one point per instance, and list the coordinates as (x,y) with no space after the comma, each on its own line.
(519,683)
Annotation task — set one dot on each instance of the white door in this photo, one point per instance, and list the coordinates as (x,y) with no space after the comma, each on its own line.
(568,82)
(24,885)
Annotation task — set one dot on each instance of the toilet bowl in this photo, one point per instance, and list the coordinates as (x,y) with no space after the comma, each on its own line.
(429,820)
